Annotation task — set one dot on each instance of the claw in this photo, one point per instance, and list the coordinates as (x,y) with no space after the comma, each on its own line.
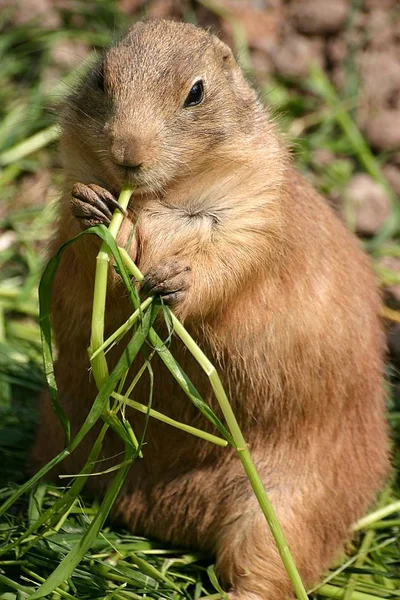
(170,280)
(107,198)
(92,204)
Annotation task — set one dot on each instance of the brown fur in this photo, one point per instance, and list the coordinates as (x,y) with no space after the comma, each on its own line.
(279,295)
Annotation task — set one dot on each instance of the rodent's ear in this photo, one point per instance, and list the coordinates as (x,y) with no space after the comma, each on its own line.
(224,52)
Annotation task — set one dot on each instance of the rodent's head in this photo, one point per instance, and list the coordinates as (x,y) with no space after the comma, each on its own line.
(161,102)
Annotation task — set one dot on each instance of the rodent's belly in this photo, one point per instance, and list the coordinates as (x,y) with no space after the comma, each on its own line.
(165,232)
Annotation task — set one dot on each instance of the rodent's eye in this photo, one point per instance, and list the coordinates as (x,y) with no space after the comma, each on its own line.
(196,94)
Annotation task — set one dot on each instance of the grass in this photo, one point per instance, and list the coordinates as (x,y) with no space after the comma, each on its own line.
(117,564)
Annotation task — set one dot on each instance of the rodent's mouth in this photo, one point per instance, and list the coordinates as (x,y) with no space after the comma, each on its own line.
(144,181)
(134,175)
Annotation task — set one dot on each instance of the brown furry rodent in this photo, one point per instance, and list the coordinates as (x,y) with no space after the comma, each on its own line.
(270,283)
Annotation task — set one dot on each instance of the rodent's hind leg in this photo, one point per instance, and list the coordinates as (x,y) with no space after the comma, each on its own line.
(92,205)
(247,559)
(248,563)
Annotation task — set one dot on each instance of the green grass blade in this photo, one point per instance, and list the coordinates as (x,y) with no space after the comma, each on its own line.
(184,382)
(63,503)
(74,557)
(22,489)
(151,571)
(173,367)
(97,408)
(209,437)
(45,298)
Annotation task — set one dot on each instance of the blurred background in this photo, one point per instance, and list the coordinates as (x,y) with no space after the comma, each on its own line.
(328,69)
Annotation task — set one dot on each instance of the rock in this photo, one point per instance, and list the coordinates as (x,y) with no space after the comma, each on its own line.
(315,17)
(130,6)
(380,77)
(369,204)
(260,26)
(158,9)
(262,66)
(43,11)
(392,174)
(295,55)
(165,9)
(379,24)
(379,4)
(383,130)
(336,48)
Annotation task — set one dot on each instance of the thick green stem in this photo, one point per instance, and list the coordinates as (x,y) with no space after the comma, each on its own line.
(125,327)
(245,457)
(332,591)
(164,419)
(35,142)
(362,554)
(238,439)
(130,265)
(378,515)
(99,363)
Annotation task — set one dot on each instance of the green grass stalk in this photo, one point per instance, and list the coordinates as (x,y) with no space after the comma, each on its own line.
(238,442)
(165,419)
(362,554)
(347,564)
(151,571)
(377,515)
(332,591)
(386,524)
(125,327)
(99,363)
(66,500)
(35,142)
(74,557)
(99,406)
(22,590)
(40,579)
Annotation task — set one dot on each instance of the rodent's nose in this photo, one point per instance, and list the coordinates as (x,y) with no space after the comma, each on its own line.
(128,164)
(131,167)
(127,152)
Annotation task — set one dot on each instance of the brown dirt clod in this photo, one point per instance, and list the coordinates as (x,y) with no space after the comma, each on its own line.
(370,204)
(314,17)
(383,130)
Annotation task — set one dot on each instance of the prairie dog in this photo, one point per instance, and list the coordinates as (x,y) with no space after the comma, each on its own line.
(274,288)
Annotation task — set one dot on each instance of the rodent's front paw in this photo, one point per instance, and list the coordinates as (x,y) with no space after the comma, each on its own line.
(92,205)
(170,279)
